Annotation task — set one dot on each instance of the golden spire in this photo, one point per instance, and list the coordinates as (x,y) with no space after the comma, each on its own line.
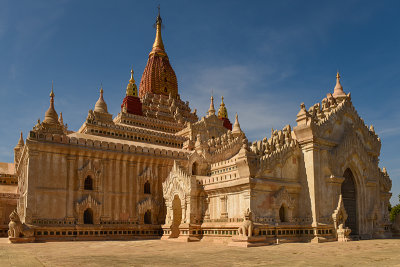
(158,46)
(101,105)
(222,112)
(51,116)
(131,88)
(211,110)
(338,90)
(132,80)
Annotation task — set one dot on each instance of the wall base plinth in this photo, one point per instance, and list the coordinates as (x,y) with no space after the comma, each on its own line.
(245,241)
(21,239)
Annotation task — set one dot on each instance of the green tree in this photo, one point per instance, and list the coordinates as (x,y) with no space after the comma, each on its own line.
(394,211)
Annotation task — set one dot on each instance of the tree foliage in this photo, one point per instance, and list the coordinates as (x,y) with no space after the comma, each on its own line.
(394,211)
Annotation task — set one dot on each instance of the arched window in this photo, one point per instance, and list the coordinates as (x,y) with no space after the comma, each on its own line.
(88,183)
(147,217)
(283,214)
(88,216)
(147,188)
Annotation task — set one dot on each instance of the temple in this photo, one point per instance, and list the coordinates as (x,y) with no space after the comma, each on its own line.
(157,170)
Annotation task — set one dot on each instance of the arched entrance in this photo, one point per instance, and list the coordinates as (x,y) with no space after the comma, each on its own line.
(147,217)
(283,214)
(349,194)
(88,216)
(176,216)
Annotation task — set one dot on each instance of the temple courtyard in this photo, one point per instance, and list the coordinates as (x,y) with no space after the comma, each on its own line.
(383,252)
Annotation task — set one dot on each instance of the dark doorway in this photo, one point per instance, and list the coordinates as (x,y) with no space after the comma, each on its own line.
(147,217)
(349,195)
(282,214)
(88,216)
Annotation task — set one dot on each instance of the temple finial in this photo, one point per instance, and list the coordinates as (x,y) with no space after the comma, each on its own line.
(52,92)
(236,126)
(20,141)
(132,79)
(60,119)
(338,90)
(131,88)
(222,112)
(100,105)
(158,46)
(211,110)
(51,116)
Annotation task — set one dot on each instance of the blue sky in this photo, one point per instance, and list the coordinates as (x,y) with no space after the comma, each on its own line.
(265,57)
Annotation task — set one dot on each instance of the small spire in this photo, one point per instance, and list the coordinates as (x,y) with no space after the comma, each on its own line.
(338,91)
(211,110)
(60,119)
(132,79)
(101,92)
(236,126)
(51,116)
(131,88)
(222,112)
(20,141)
(101,105)
(52,92)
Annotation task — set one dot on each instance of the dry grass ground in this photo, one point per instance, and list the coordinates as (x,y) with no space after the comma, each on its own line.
(166,253)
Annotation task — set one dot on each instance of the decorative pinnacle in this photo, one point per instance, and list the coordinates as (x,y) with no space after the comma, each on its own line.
(101,91)
(159,20)
(131,89)
(211,110)
(236,126)
(222,112)
(20,141)
(338,90)
(158,46)
(52,92)
(132,80)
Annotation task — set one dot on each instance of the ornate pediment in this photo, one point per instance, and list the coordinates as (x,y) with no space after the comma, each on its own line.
(148,203)
(283,197)
(147,173)
(351,149)
(178,183)
(88,203)
(92,168)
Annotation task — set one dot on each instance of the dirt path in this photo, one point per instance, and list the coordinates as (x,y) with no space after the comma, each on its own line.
(166,253)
